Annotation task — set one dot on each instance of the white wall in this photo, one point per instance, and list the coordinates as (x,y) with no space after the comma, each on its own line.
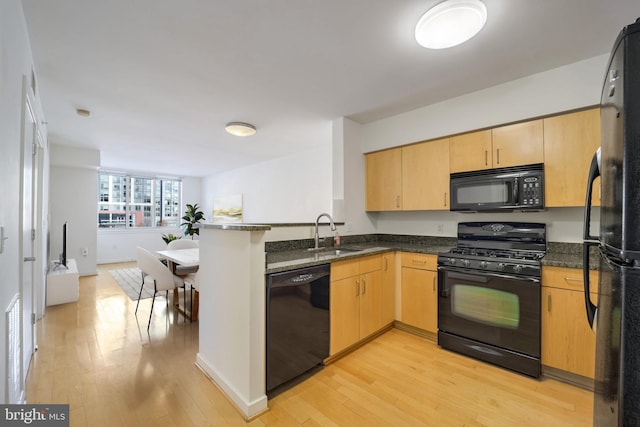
(291,189)
(352,169)
(15,62)
(570,87)
(297,188)
(73,195)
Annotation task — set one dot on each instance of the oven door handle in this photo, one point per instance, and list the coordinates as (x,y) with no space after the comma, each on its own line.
(484,276)
(467,277)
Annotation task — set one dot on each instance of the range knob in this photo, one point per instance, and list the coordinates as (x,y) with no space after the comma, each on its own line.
(501,266)
(465,262)
(518,268)
(483,264)
(452,261)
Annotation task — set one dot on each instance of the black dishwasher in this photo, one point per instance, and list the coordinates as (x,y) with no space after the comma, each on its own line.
(297,324)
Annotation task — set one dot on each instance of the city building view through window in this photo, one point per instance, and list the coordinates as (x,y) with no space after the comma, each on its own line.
(126,201)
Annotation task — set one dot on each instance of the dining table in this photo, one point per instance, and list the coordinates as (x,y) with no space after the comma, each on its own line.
(189,257)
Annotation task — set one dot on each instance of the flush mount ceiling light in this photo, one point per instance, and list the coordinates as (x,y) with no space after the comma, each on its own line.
(83,112)
(450,23)
(240,129)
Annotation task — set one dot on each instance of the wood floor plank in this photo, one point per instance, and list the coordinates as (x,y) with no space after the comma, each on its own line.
(97,356)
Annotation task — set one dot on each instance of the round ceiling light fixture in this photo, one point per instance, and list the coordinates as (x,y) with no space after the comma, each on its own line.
(240,129)
(450,23)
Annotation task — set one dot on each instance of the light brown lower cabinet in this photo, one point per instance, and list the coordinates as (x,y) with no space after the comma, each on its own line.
(420,291)
(355,301)
(568,343)
(388,288)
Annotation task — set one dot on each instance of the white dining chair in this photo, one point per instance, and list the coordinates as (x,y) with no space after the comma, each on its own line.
(155,273)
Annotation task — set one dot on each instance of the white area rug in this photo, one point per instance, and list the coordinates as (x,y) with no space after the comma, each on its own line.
(129,280)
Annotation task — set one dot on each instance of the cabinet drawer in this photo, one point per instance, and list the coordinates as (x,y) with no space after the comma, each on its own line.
(568,278)
(343,269)
(353,267)
(370,263)
(420,261)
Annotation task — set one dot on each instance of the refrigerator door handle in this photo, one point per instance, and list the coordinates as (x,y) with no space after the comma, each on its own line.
(592,309)
(594,172)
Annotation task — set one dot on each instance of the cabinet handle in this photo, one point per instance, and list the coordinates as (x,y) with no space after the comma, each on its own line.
(549,302)
(364,286)
(497,155)
(397,201)
(386,264)
(434,283)
(357,287)
(573,279)
(486,157)
(418,261)
(445,199)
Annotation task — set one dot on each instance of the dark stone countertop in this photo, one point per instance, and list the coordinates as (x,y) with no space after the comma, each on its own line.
(302,257)
(567,255)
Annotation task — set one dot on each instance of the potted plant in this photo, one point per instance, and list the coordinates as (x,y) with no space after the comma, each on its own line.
(169,237)
(191,217)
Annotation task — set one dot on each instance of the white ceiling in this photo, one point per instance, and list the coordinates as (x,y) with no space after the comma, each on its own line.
(162,77)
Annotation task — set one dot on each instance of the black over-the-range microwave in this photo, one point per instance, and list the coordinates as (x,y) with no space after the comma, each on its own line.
(512,188)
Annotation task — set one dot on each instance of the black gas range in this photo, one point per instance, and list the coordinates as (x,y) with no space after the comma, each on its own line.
(489,294)
(515,248)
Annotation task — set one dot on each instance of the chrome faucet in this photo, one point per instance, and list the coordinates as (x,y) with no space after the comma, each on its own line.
(333,228)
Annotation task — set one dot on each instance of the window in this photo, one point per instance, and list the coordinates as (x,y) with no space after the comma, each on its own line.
(126,201)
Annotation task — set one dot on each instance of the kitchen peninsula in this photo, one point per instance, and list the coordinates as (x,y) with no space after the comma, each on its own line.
(232,315)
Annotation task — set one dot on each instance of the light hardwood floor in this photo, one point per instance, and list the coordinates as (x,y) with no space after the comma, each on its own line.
(96,356)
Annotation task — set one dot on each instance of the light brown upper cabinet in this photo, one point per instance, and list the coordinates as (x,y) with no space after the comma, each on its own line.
(511,145)
(384,180)
(425,175)
(570,141)
(518,144)
(471,151)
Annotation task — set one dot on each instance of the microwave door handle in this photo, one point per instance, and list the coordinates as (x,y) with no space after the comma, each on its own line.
(516,189)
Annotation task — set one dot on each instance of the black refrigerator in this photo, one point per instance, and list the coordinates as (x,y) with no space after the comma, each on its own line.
(616,318)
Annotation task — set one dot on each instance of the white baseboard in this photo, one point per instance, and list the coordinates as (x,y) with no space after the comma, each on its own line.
(248,409)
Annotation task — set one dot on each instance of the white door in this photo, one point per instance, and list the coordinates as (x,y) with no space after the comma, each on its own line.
(28,235)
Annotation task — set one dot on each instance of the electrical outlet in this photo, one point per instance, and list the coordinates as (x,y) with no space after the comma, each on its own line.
(85,251)
(349,227)
(440,228)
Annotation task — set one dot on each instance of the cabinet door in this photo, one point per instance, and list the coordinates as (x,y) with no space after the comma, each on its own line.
(570,141)
(420,298)
(470,152)
(384,180)
(567,341)
(345,313)
(518,144)
(370,303)
(388,288)
(425,176)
